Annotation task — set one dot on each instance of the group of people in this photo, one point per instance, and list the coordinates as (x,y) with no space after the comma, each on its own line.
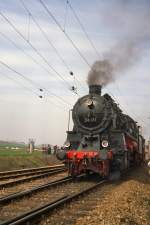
(48,149)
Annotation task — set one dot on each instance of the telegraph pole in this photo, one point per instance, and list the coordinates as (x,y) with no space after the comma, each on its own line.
(31,145)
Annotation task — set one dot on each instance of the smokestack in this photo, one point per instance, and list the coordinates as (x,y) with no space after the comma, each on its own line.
(95,89)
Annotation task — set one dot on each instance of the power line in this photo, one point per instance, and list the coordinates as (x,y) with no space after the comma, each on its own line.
(83,28)
(47,38)
(22,50)
(87,36)
(67,36)
(60,27)
(63,32)
(125,110)
(29,26)
(33,83)
(38,53)
(44,34)
(15,81)
(66,13)
(137,116)
(10,78)
(21,75)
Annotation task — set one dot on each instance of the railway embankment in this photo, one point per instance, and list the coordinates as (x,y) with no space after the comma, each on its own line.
(21,159)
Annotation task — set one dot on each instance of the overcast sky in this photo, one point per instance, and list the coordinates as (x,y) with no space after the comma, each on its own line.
(30,61)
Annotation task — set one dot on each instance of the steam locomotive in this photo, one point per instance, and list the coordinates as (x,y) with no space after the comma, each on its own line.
(103,139)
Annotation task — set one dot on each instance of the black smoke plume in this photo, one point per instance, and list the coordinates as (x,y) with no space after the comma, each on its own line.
(131,21)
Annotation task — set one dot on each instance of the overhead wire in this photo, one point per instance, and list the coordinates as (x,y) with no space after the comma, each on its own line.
(67,36)
(31,45)
(22,50)
(128,112)
(136,115)
(28,27)
(61,28)
(34,50)
(43,33)
(47,38)
(83,28)
(21,75)
(87,36)
(52,16)
(25,87)
(66,14)
(36,85)
(28,89)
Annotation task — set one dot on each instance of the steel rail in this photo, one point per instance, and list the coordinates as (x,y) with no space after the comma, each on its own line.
(17,195)
(12,176)
(29,169)
(37,212)
(15,182)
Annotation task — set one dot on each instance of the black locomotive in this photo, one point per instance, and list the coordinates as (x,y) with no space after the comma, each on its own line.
(103,139)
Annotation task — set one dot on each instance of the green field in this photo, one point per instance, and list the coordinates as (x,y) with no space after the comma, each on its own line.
(18,152)
(5,144)
(11,159)
(15,155)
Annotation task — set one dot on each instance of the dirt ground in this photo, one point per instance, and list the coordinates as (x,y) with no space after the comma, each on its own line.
(124,202)
(128,203)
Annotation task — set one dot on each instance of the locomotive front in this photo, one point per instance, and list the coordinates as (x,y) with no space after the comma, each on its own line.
(92,113)
(86,147)
(103,139)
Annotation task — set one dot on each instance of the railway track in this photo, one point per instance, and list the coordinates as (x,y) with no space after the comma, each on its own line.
(23,186)
(24,172)
(22,207)
(15,196)
(9,182)
(56,198)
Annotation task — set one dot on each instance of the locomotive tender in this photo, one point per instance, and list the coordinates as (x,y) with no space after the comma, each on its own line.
(103,139)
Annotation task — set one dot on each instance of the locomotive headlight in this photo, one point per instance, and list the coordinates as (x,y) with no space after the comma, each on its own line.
(104,143)
(67,144)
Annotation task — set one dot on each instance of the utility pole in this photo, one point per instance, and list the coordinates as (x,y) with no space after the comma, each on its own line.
(31,145)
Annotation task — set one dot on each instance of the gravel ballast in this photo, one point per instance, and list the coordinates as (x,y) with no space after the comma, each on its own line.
(126,202)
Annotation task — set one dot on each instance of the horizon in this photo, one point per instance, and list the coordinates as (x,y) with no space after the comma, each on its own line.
(25,75)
